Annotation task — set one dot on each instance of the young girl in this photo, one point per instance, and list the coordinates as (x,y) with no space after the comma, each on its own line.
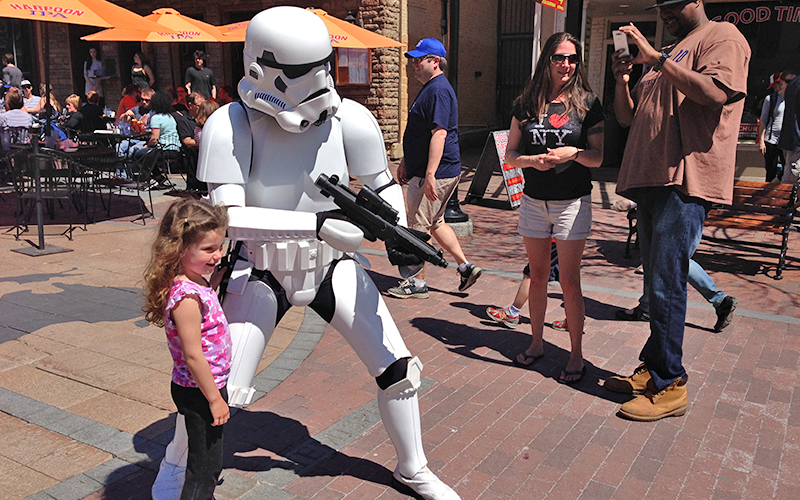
(187,247)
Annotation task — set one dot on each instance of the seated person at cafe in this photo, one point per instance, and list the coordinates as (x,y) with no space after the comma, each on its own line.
(72,121)
(93,115)
(31,102)
(140,112)
(129,99)
(179,101)
(186,127)
(163,139)
(14,118)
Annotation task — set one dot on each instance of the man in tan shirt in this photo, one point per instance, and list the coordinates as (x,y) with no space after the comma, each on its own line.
(684,116)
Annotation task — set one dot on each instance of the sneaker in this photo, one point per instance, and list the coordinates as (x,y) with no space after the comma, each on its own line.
(500,315)
(469,276)
(427,485)
(725,313)
(635,384)
(655,405)
(409,290)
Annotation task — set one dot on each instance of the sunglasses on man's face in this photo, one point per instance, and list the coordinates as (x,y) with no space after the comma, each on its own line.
(787,80)
(145,99)
(417,60)
(560,58)
(26,87)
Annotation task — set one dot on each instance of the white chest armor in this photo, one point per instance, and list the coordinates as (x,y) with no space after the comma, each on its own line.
(285,165)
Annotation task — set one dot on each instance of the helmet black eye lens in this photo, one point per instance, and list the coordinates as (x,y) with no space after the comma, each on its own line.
(291,70)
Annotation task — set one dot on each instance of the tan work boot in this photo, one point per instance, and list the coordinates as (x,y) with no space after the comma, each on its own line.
(635,384)
(652,405)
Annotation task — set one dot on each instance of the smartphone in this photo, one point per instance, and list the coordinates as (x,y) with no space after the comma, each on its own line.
(621,42)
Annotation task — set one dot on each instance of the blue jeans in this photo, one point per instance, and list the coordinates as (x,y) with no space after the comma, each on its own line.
(700,281)
(670,226)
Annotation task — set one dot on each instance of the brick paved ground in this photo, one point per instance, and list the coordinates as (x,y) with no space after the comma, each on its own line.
(492,430)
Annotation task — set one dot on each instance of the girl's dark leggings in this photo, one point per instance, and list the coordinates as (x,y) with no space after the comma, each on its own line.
(204,462)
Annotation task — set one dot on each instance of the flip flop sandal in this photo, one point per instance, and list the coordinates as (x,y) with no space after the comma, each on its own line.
(527,361)
(580,373)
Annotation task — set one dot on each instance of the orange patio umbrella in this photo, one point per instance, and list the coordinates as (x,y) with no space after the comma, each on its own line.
(170,26)
(343,34)
(86,12)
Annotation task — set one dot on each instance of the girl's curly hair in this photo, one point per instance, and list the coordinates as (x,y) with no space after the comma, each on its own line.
(185,223)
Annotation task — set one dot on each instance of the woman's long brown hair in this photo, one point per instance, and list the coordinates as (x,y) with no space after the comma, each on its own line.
(534,99)
(185,223)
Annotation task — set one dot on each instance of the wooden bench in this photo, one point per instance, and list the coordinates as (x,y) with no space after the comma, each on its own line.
(757,206)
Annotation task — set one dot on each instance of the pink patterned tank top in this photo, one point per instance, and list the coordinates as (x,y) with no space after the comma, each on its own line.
(216,337)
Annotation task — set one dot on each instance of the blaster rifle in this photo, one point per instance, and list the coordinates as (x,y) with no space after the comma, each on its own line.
(367,209)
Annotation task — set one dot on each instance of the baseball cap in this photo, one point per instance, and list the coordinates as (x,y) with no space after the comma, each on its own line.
(775,78)
(427,46)
(664,3)
(25,83)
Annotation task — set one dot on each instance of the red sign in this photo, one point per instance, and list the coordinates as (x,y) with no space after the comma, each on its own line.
(553,4)
(762,14)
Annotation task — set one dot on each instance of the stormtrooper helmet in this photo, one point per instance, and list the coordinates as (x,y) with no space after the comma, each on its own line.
(287,56)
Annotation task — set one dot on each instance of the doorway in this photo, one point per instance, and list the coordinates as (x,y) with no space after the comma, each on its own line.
(514,52)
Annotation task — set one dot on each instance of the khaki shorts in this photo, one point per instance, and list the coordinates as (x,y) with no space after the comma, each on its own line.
(424,214)
(560,219)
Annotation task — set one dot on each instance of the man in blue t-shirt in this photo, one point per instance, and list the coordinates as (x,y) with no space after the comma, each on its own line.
(431,164)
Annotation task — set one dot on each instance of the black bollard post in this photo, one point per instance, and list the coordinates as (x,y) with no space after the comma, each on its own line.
(453,213)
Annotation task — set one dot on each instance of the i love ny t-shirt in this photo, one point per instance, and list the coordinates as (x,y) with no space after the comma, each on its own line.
(558,128)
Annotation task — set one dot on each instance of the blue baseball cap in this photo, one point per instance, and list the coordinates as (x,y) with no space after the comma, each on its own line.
(427,46)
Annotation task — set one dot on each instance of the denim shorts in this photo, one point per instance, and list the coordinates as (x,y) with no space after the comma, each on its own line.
(560,219)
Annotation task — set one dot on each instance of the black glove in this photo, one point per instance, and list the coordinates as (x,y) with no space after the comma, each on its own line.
(338,214)
(399,256)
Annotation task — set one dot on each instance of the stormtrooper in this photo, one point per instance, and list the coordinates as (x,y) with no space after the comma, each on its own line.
(261,158)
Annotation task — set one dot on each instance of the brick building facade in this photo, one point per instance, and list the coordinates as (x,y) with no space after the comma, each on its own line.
(391,90)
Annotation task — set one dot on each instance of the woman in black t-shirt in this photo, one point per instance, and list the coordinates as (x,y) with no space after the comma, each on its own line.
(556,133)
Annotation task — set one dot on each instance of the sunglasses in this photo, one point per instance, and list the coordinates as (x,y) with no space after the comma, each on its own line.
(786,80)
(560,58)
(144,99)
(417,60)
(26,87)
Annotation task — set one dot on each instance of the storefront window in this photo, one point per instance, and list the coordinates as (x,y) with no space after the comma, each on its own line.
(16,38)
(353,66)
(773,31)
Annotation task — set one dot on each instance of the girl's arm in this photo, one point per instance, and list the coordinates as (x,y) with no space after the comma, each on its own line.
(154,134)
(187,316)
(544,161)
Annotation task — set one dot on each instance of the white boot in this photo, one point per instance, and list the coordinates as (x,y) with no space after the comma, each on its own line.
(172,471)
(399,409)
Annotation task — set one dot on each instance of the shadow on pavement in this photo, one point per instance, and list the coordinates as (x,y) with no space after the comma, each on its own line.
(290,447)
(260,442)
(465,340)
(24,311)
